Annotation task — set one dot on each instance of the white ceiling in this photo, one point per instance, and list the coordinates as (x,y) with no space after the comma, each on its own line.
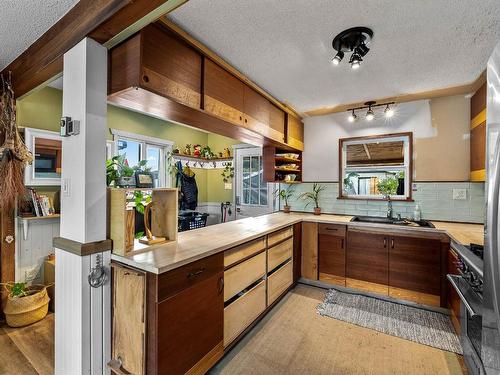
(22,22)
(285,45)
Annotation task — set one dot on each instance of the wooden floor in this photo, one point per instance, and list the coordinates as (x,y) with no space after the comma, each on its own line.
(28,350)
(293,339)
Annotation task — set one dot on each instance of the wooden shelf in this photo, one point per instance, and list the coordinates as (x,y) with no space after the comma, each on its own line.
(287,170)
(287,182)
(288,160)
(30,218)
(194,158)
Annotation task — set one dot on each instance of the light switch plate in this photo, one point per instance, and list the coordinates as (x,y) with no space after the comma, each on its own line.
(459,194)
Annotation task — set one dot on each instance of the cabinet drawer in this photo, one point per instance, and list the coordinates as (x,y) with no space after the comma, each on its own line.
(279,235)
(242,275)
(243,251)
(279,253)
(184,277)
(279,281)
(332,229)
(242,312)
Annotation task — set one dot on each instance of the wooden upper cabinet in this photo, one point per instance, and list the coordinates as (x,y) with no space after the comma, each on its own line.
(170,67)
(223,93)
(295,132)
(478,135)
(277,122)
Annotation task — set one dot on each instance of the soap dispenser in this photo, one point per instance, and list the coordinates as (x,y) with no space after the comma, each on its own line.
(417,214)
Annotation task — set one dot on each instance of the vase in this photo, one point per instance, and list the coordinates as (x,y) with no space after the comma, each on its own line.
(317,210)
(286,209)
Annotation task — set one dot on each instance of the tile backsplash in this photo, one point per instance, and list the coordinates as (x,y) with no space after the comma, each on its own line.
(435,200)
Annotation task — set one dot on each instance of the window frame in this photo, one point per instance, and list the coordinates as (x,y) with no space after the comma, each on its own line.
(164,145)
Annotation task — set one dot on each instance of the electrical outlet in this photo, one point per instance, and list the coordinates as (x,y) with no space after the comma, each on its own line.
(459,194)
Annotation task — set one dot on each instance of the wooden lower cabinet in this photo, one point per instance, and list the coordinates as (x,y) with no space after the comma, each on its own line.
(331,253)
(367,257)
(279,281)
(309,256)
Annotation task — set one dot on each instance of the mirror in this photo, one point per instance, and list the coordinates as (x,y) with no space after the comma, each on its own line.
(46,147)
(376,167)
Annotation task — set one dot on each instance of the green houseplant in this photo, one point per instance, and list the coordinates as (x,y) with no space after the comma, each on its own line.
(387,187)
(286,194)
(313,197)
(118,172)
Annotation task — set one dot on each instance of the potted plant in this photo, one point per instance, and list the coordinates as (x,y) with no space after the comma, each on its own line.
(118,172)
(286,194)
(313,197)
(25,304)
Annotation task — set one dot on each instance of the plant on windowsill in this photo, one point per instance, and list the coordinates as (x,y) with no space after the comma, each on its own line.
(388,187)
(313,197)
(118,172)
(285,194)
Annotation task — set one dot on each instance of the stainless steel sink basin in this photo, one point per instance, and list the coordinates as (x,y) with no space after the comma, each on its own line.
(394,221)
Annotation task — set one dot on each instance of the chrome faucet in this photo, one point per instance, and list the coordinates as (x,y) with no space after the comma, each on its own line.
(389,208)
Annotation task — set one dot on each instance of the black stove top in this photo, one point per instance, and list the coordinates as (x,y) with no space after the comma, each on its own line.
(476,249)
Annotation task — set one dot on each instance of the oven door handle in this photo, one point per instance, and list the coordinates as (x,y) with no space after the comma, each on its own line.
(454,279)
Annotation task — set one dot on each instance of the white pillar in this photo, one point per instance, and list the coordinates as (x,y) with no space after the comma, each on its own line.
(82,317)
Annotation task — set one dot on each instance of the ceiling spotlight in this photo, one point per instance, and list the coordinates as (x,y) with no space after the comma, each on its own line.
(338,58)
(355,40)
(388,111)
(352,117)
(355,60)
(369,114)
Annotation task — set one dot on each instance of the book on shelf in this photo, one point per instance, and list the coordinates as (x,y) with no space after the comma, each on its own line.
(42,205)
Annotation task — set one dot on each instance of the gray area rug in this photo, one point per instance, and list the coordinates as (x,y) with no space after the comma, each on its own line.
(410,323)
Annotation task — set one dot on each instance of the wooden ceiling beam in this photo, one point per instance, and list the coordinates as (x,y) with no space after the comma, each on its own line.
(449,91)
(101,20)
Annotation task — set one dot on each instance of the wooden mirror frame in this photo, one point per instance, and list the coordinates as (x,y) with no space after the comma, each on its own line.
(408,198)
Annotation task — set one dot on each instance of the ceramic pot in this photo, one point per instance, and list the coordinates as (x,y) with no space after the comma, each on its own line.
(317,210)
(126,181)
(286,209)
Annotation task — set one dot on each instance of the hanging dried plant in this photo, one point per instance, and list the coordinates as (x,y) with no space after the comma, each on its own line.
(14,155)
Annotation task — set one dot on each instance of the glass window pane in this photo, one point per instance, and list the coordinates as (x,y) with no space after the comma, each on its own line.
(255,164)
(255,180)
(246,196)
(263,197)
(246,164)
(131,150)
(153,157)
(254,196)
(246,180)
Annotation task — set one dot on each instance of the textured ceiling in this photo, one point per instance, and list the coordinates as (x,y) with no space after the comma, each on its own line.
(285,45)
(22,22)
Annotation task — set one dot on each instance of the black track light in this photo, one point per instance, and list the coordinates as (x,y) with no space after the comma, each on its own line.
(355,60)
(352,117)
(362,49)
(338,58)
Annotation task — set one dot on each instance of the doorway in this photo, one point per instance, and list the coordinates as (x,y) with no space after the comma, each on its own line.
(253,196)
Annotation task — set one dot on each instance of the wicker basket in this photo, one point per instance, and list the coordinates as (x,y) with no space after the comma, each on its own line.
(22,311)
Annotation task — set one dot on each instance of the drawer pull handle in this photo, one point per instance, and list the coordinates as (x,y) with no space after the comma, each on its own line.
(335,229)
(195,273)
(221,285)
(385,242)
(342,244)
(392,243)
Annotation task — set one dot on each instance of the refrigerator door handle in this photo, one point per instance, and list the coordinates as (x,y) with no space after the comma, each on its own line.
(492,227)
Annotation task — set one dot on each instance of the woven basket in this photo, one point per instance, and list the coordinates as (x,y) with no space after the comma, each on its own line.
(22,311)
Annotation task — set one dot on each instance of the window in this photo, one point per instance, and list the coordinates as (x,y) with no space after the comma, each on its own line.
(137,148)
(254,187)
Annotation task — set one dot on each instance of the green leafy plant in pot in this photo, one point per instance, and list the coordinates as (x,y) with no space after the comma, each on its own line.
(285,194)
(118,172)
(313,197)
(387,187)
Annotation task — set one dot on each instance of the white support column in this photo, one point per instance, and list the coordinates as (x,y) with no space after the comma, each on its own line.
(82,323)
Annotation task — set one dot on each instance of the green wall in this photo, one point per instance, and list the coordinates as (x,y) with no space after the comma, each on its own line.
(43,110)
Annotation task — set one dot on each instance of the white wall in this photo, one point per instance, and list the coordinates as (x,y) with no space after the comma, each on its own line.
(440,131)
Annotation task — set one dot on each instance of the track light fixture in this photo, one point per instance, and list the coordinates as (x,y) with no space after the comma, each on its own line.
(352,117)
(370,113)
(355,40)
(338,58)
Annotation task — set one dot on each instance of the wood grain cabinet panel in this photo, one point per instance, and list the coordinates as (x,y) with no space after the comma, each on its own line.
(367,257)
(331,248)
(279,281)
(415,264)
(170,67)
(279,254)
(223,93)
(309,261)
(190,326)
(243,251)
(478,135)
(295,132)
(279,235)
(244,274)
(277,122)
(453,298)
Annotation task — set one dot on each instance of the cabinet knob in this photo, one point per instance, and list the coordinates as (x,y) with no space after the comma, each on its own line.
(145,78)
(246,120)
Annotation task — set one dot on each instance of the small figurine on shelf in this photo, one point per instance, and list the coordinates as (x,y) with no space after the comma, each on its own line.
(227,153)
(187,149)
(176,151)
(197,151)
(221,155)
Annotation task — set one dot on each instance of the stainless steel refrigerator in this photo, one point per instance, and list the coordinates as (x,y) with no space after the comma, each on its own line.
(490,340)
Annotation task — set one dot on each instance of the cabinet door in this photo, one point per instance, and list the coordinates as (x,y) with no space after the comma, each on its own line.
(309,261)
(223,93)
(295,132)
(256,109)
(415,264)
(190,327)
(277,122)
(331,250)
(367,261)
(170,67)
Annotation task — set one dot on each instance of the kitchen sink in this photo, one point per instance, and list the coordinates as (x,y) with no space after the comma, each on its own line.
(393,221)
